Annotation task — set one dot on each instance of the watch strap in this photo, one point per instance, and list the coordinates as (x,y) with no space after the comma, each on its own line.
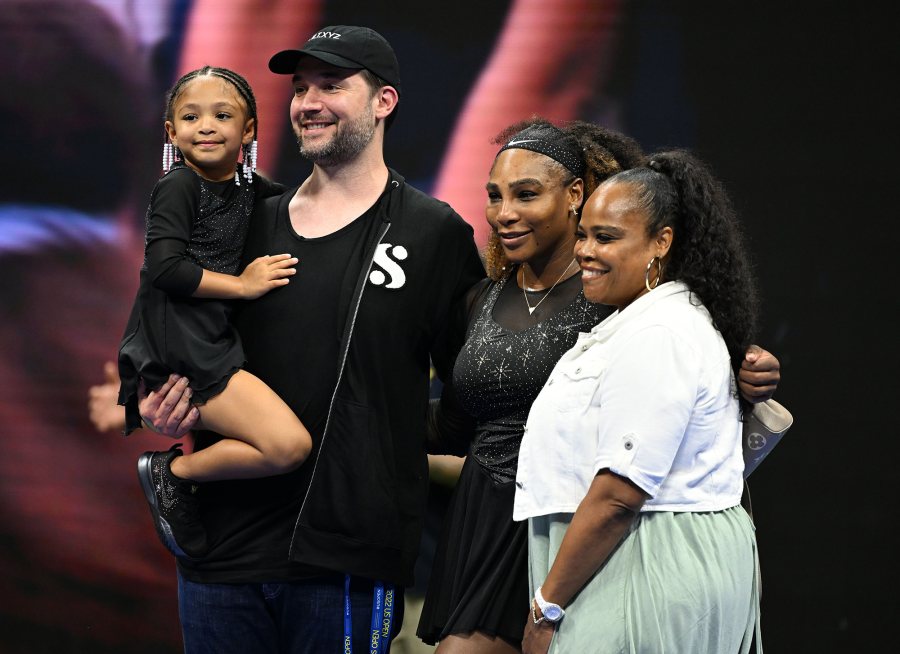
(550,612)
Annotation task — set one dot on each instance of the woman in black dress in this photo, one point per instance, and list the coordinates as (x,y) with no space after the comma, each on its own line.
(522,319)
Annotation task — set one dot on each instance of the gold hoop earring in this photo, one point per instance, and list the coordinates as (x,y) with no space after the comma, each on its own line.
(658,273)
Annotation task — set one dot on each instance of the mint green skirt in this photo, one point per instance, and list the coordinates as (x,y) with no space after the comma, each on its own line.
(677,583)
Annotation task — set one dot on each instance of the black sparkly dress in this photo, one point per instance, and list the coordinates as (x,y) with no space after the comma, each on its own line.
(192,224)
(479,581)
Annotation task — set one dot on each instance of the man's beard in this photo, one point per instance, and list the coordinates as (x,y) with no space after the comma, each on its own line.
(349,140)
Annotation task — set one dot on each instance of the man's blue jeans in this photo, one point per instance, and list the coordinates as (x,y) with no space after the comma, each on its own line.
(278,618)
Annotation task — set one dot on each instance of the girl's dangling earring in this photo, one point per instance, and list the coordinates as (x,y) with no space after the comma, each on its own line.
(171,154)
(168,156)
(250,160)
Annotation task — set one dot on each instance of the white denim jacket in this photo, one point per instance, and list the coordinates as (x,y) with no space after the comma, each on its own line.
(648,394)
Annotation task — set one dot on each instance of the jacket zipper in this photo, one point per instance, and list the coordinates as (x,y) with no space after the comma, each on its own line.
(346,349)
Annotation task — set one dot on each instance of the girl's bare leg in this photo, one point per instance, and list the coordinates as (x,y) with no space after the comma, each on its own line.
(263,436)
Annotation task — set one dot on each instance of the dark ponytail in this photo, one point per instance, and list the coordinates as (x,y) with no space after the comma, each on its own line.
(679,191)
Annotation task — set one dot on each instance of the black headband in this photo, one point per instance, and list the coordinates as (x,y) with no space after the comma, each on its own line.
(550,142)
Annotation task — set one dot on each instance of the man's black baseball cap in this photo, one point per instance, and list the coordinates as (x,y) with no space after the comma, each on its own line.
(347,46)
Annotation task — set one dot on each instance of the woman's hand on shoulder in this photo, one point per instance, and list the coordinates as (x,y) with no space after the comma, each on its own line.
(759,375)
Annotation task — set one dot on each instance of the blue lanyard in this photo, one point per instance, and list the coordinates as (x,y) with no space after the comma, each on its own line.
(348,622)
(382,618)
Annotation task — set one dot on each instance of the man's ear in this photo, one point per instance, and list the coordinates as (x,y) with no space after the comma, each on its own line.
(386,100)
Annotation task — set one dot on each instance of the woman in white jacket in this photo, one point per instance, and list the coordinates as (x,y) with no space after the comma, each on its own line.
(630,470)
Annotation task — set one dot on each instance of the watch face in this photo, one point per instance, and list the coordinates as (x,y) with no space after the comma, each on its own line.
(552,613)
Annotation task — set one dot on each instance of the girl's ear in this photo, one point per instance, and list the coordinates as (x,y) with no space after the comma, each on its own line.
(170,130)
(249,131)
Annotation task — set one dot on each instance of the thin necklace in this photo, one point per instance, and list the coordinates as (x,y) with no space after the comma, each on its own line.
(525,285)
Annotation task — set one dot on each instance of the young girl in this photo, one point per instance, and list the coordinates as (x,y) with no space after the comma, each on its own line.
(196,224)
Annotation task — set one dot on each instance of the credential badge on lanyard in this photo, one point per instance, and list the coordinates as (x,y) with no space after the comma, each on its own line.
(382,618)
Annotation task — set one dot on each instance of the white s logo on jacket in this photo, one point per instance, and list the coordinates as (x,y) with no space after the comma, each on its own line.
(391,274)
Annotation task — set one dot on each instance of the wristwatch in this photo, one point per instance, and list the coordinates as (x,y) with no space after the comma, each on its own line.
(551,612)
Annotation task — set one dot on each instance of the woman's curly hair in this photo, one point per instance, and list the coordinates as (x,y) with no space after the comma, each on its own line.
(679,191)
(604,151)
